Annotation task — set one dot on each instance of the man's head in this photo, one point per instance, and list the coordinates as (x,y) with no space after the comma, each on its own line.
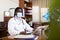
(18,12)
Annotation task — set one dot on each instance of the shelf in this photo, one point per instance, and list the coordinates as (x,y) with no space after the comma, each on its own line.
(28,11)
(25,2)
(28,14)
(28,4)
(28,8)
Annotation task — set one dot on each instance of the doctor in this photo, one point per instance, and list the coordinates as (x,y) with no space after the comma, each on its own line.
(17,25)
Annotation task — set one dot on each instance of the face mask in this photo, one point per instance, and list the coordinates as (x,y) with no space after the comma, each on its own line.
(19,15)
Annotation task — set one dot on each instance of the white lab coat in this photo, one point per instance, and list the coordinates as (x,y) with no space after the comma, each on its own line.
(16,26)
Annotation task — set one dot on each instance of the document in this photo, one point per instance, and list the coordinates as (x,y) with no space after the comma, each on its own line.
(21,36)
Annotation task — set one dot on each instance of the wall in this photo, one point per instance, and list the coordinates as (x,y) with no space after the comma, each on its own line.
(5,5)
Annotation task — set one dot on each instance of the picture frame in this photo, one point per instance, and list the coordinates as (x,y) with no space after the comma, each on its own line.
(7,13)
(11,10)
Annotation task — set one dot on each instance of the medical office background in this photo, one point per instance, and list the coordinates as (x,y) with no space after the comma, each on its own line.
(39,13)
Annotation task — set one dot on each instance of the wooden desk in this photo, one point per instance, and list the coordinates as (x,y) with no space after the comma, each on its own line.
(6,38)
(19,37)
(39,38)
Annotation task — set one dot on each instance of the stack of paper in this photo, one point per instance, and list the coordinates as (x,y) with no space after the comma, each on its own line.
(21,36)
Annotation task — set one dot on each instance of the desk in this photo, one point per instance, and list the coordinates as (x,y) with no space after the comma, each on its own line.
(6,38)
(19,37)
(41,37)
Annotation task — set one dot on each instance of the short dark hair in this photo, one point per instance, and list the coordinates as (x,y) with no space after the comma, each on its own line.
(17,10)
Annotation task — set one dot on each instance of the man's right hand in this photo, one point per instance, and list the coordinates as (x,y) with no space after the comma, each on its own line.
(23,32)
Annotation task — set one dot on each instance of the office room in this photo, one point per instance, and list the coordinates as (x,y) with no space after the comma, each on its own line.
(29,19)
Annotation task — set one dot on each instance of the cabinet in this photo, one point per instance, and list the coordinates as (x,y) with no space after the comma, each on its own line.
(27,5)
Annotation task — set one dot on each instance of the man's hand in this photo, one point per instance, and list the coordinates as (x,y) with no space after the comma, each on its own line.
(23,32)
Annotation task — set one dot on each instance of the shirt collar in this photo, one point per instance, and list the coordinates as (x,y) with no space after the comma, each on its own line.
(17,20)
